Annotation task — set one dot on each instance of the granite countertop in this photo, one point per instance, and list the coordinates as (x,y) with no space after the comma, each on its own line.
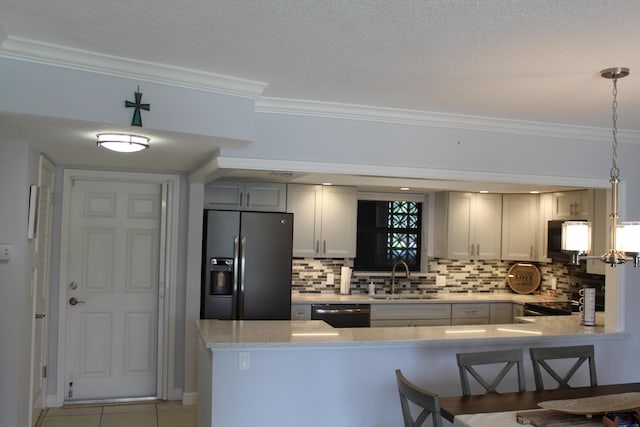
(257,334)
(433,298)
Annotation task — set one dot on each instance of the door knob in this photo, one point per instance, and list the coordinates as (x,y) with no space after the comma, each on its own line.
(75,301)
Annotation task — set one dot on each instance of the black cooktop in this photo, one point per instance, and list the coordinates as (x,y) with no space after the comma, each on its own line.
(555,308)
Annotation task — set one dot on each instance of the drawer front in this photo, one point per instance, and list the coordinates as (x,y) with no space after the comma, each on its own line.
(432,322)
(461,311)
(391,322)
(410,311)
(470,321)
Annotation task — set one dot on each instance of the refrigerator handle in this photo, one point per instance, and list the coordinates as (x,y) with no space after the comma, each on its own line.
(234,306)
(243,245)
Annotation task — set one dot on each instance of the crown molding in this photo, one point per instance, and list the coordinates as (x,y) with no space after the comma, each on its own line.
(433,119)
(76,59)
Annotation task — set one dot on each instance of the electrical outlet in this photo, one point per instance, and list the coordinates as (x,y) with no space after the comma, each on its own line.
(330,278)
(554,283)
(244,361)
(6,252)
(441,280)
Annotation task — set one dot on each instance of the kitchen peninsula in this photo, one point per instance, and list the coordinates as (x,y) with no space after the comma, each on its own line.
(290,373)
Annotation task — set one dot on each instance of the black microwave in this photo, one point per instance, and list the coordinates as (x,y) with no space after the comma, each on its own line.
(554,242)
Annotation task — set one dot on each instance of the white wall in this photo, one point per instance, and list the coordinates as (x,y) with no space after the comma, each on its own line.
(18,170)
(79,95)
(355,386)
(301,141)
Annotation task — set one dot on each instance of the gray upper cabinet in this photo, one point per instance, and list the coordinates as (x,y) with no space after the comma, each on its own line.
(469,225)
(519,226)
(573,205)
(599,230)
(324,220)
(241,195)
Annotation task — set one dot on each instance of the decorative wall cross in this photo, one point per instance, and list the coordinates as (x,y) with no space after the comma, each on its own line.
(136,120)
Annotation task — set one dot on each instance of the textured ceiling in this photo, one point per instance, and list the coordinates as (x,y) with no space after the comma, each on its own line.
(533,60)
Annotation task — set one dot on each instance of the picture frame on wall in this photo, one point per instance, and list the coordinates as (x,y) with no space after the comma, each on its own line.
(32,221)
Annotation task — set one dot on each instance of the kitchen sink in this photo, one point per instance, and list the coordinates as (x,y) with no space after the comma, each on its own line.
(401,296)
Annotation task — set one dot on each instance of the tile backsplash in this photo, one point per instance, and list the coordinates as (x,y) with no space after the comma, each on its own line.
(311,275)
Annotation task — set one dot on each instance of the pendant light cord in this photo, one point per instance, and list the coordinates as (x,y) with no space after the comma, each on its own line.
(614,107)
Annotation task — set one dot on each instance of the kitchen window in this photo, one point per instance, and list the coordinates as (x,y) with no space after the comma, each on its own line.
(388,231)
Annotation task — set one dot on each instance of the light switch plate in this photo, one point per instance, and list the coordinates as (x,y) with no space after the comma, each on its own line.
(330,279)
(441,280)
(6,252)
(244,361)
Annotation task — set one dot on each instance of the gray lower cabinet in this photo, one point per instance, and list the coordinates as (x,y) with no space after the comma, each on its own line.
(300,311)
(430,314)
(501,312)
(419,314)
(518,310)
(470,314)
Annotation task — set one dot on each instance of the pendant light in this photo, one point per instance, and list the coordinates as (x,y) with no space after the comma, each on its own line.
(624,238)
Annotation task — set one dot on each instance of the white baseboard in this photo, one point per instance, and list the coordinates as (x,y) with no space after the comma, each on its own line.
(189,398)
(52,401)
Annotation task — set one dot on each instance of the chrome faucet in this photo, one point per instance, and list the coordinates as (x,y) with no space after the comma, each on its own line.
(393,274)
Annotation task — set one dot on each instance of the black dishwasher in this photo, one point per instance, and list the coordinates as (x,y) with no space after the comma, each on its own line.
(343,315)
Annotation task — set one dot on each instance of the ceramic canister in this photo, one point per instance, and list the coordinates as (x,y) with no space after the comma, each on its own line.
(588,306)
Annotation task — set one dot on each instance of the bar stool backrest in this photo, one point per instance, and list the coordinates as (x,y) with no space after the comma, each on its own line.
(428,402)
(540,356)
(510,358)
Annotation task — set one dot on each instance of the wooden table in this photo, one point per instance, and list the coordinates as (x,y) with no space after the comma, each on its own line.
(504,402)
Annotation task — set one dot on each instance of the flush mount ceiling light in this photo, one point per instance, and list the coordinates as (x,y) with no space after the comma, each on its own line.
(624,238)
(122,142)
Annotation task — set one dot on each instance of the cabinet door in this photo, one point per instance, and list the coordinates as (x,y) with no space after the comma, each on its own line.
(459,226)
(519,219)
(223,195)
(599,231)
(487,225)
(238,195)
(268,197)
(545,214)
(470,321)
(470,310)
(339,222)
(300,311)
(518,311)
(501,312)
(572,205)
(304,202)
(391,322)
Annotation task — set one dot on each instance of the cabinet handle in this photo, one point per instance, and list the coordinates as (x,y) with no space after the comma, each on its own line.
(470,311)
(317,246)
(531,251)
(478,249)
(473,247)
(241,196)
(247,205)
(324,246)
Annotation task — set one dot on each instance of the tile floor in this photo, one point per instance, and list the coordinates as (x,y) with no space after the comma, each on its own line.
(160,414)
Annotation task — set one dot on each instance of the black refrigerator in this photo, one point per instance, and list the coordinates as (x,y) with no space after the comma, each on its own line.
(246,271)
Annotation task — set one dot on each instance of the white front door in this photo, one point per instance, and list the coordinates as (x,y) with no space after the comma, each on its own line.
(41,289)
(112,299)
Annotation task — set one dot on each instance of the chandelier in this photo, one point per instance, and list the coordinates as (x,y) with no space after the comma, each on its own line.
(624,237)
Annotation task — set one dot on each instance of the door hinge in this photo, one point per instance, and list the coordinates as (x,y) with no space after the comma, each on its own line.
(44,372)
